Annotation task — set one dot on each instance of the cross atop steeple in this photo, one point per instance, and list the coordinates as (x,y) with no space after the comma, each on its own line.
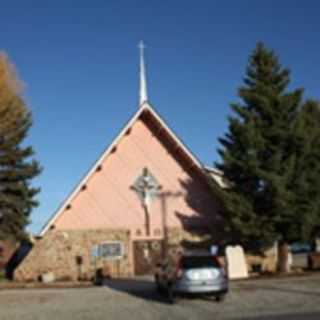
(143,95)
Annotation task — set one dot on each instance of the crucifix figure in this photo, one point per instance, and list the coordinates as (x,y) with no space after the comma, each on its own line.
(147,189)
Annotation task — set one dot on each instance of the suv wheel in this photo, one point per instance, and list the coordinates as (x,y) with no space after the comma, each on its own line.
(171,294)
(159,288)
(220,297)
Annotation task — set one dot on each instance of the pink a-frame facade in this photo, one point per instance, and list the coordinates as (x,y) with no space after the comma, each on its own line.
(105,199)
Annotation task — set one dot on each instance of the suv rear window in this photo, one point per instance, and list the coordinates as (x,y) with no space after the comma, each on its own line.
(199,262)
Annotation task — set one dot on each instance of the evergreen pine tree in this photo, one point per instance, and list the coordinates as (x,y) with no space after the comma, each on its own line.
(17,168)
(258,155)
(306,175)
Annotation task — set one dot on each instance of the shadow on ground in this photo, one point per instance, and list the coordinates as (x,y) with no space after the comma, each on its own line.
(138,287)
(145,288)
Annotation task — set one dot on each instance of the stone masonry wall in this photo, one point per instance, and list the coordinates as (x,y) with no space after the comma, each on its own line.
(57,252)
(267,261)
(180,239)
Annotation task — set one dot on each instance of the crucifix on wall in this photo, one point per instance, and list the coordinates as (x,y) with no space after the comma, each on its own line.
(147,188)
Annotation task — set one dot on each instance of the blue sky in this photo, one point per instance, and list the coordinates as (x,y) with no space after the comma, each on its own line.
(79,61)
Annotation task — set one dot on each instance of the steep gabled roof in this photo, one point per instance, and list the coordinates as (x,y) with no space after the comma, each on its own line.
(145,108)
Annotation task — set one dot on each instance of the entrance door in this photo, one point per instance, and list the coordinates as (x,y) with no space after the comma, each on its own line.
(147,253)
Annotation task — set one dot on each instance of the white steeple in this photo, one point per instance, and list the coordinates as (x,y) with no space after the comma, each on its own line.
(143,95)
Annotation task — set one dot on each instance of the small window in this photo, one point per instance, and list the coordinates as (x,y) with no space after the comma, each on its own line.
(111,250)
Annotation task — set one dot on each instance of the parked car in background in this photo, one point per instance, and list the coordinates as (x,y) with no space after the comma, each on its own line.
(192,274)
(297,248)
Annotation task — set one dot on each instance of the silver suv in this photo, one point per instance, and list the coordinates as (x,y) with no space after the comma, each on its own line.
(194,274)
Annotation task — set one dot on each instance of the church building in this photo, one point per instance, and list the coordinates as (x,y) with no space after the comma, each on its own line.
(145,197)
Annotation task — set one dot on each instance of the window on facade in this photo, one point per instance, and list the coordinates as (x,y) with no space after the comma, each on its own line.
(111,250)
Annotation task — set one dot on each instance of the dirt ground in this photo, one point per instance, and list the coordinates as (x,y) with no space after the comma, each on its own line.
(136,299)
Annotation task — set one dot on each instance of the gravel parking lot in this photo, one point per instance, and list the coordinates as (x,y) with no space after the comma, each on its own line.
(290,298)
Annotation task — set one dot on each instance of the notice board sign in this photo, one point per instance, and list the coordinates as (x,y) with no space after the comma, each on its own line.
(111,250)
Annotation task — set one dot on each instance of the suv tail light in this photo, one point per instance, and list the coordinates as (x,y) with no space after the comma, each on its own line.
(216,260)
(179,270)
(222,268)
(224,273)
